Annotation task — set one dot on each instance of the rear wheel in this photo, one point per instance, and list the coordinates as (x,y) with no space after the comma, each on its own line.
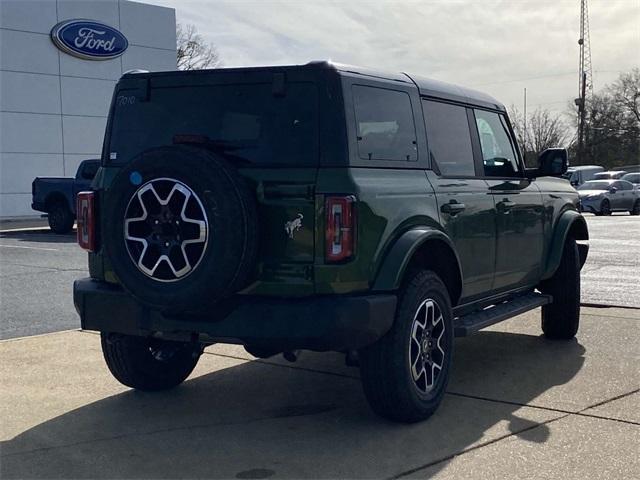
(148,363)
(636,208)
(405,373)
(560,319)
(60,218)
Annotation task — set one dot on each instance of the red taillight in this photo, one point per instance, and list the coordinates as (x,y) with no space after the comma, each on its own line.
(341,228)
(85,213)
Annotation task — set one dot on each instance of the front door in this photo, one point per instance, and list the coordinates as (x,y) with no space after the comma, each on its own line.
(518,205)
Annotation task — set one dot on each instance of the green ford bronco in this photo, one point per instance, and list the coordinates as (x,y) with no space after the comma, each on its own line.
(322,207)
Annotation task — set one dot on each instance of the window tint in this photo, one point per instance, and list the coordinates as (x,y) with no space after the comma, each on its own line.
(498,154)
(449,138)
(385,126)
(89,170)
(245,121)
(623,185)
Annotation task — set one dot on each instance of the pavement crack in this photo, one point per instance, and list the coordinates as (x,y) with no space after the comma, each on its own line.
(473,448)
(274,415)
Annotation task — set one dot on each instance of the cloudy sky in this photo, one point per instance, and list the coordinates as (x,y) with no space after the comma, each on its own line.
(499,47)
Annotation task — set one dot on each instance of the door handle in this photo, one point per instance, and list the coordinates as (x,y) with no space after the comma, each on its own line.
(452,208)
(505,205)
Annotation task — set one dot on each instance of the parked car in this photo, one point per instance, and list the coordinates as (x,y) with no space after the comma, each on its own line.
(56,196)
(301,207)
(579,174)
(633,178)
(610,175)
(605,196)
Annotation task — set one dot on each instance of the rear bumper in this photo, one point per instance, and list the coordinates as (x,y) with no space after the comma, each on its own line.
(334,322)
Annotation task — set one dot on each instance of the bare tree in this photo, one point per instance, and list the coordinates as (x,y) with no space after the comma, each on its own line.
(612,133)
(626,92)
(544,130)
(194,53)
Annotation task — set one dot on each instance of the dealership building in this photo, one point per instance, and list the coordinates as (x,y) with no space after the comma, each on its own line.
(59,62)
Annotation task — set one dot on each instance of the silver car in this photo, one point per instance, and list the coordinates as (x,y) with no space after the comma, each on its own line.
(605,196)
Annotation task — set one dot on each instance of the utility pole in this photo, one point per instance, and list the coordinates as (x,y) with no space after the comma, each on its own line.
(585,81)
(525,122)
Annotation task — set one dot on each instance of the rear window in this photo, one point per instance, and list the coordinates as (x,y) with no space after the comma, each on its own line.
(245,121)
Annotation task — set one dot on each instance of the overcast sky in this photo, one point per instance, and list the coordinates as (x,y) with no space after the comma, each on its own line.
(496,46)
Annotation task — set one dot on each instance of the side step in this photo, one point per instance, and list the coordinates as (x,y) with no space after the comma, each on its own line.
(472,322)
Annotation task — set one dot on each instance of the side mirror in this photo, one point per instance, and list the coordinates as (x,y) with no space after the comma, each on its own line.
(613,190)
(553,162)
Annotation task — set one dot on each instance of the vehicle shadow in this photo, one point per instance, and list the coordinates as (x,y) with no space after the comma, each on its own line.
(253,420)
(40,236)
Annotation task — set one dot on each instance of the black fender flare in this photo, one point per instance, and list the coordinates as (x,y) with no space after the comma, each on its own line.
(395,263)
(569,221)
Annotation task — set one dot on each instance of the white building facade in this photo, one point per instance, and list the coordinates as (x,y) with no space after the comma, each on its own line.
(54,104)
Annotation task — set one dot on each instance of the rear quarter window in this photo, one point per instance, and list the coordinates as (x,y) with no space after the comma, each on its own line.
(384,124)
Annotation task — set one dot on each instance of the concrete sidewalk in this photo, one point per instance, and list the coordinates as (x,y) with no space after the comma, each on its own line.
(518,406)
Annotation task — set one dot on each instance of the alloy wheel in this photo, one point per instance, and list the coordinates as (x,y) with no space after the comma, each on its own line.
(165,229)
(426,349)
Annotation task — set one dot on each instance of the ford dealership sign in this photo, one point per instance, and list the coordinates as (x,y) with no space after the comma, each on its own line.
(89,40)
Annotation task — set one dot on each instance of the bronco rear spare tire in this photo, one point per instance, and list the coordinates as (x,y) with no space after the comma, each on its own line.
(180,228)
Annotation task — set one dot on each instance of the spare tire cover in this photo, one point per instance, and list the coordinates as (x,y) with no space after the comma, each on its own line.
(180,228)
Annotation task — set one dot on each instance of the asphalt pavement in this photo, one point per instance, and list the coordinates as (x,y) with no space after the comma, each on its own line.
(37,269)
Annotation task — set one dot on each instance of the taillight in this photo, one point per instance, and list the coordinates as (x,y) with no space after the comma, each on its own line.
(85,213)
(341,228)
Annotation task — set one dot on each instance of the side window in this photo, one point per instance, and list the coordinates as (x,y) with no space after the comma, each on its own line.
(449,138)
(385,126)
(498,155)
(89,170)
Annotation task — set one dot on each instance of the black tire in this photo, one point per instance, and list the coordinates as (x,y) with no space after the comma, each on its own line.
(60,218)
(148,364)
(385,366)
(605,208)
(227,261)
(636,208)
(561,319)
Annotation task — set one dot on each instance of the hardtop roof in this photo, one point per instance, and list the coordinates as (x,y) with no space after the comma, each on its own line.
(426,86)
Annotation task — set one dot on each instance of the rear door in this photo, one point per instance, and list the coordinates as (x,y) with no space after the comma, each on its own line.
(467,213)
(518,204)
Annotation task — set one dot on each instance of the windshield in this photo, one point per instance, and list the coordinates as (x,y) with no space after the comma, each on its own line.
(595,185)
(247,121)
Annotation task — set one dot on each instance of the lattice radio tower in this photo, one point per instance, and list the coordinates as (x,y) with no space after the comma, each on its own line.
(585,81)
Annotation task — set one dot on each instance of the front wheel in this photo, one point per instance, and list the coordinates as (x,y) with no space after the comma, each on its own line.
(605,208)
(405,373)
(147,363)
(561,318)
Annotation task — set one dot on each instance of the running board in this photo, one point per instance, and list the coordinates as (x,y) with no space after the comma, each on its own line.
(472,322)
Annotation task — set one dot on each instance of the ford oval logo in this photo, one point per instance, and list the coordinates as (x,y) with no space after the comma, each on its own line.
(89,40)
